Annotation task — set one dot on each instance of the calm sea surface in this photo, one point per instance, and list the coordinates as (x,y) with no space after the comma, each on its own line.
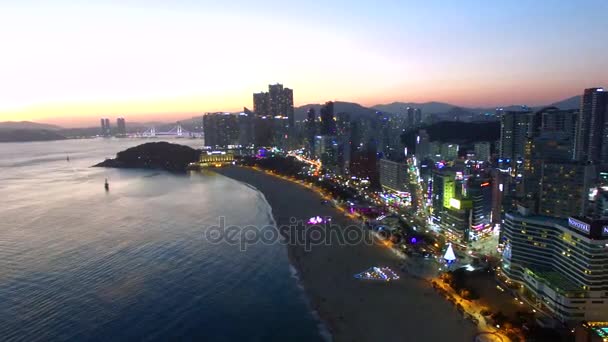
(77,263)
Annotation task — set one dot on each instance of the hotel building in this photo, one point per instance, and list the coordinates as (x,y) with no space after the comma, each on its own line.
(560,263)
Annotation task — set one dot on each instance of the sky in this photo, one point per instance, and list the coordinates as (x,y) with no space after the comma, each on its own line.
(72,62)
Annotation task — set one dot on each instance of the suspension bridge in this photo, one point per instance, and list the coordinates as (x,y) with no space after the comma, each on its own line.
(175,132)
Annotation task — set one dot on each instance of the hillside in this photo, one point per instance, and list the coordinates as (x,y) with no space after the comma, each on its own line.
(26,125)
(23,135)
(573,102)
(354,109)
(154,155)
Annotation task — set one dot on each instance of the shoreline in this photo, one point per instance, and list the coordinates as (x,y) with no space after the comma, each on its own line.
(405,309)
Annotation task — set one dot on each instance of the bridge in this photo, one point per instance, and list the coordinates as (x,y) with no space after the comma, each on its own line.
(175,132)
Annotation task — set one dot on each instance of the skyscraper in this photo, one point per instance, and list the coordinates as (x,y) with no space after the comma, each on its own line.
(592,135)
(261,103)
(121,127)
(409,117)
(328,124)
(220,129)
(417,117)
(311,130)
(513,134)
(277,104)
(106,130)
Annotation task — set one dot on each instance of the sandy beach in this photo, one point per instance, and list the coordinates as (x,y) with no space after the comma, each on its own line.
(406,309)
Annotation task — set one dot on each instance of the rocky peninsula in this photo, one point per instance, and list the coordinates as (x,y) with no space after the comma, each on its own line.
(154,155)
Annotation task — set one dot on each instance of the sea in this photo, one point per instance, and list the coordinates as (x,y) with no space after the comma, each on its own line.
(78,263)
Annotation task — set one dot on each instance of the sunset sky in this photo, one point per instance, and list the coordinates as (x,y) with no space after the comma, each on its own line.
(70,62)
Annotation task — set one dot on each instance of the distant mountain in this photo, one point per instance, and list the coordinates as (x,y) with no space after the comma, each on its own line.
(426,107)
(573,102)
(354,109)
(22,135)
(26,125)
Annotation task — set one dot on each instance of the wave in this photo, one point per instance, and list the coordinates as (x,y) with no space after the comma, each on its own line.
(323,330)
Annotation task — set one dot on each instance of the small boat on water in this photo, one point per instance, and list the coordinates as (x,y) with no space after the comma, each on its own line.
(107,185)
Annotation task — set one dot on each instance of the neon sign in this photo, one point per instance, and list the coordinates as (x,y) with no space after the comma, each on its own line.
(582,226)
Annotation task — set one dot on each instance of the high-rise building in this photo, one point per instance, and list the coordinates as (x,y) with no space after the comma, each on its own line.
(513,134)
(417,117)
(393,175)
(559,262)
(554,184)
(121,127)
(263,131)
(449,151)
(483,151)
(106,130)
(276,104)
(343,138)
(311,130)
(328,124)
(261,104)
(410,118)
(591,135)
(246,127)
(462,207)
(423,145)
(220,129)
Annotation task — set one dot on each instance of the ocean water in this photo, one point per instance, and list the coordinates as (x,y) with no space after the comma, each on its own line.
(77,263)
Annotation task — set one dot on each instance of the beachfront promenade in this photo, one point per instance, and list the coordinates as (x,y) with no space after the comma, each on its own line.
(407,309)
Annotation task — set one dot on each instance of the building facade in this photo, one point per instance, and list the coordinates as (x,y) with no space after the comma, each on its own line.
(562,264)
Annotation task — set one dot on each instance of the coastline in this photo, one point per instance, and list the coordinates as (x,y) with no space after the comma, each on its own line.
(405,309)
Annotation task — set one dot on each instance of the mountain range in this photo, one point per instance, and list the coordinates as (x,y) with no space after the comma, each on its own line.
(27,125)
(354,109)
(357,110)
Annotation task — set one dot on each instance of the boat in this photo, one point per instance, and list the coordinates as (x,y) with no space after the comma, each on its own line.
(107,185)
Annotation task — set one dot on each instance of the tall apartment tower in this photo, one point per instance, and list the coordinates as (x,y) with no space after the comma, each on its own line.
(121,127)
(513,134)
(106,130)
(328,124)
(591,134)
(276,105)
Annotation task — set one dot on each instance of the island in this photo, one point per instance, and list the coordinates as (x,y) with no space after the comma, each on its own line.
(154,155)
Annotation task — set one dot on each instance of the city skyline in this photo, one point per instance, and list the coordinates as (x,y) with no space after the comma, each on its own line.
(160,63)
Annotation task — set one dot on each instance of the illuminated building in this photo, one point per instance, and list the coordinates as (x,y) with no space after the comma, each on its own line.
(591,141)
(276,105)
(462,208)
(560,263)
(220,129)
(311,130)
(423,145)
(554,184)
(261,104)
(513,134)
(328,124)
(216,158)
(343,135)
(449,151)
(483,151)
(246,127)
(393,175)
(591,332)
